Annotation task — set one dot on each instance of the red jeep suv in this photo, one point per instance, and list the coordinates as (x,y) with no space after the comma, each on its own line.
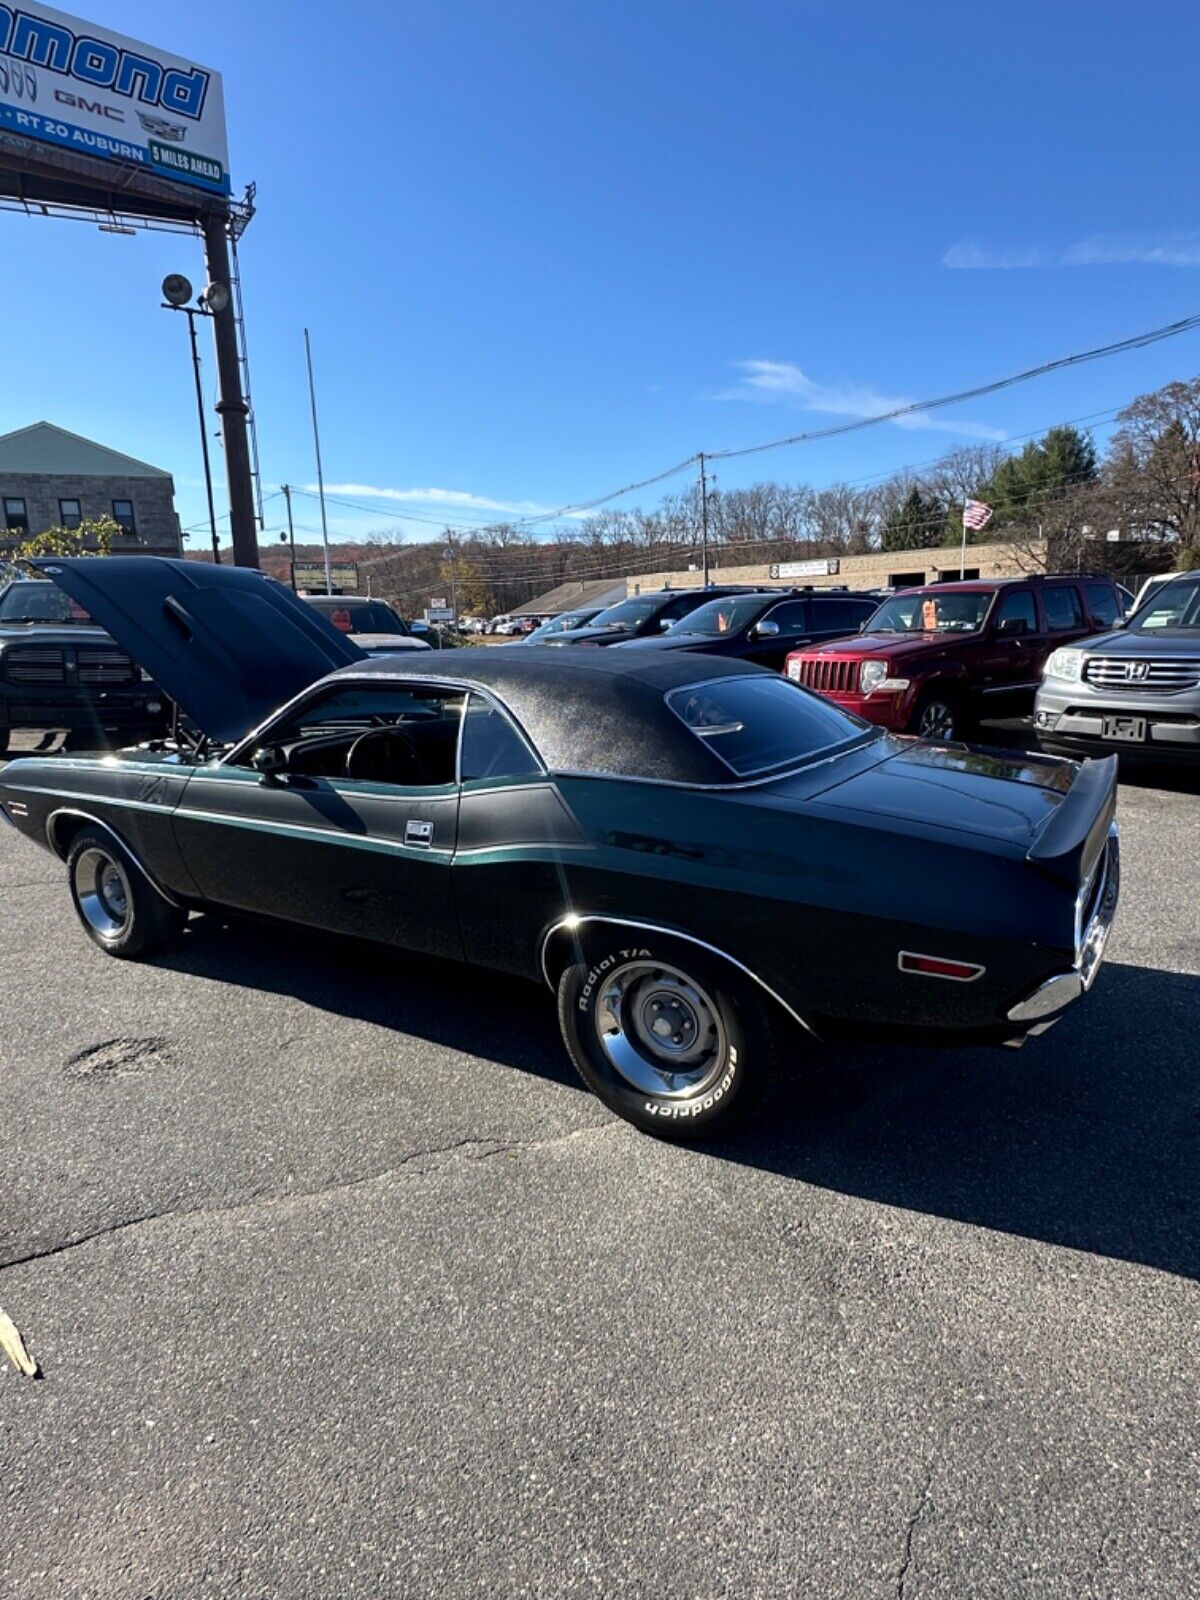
(934,661)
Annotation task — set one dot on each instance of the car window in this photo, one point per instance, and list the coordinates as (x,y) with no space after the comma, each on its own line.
(792,616)
(39,602)
(419,728)
(1062,608)
(1102,602)
(717,617)
(627,614)
(362,616)
(1018,604)
(491,745)
(683,606)
(1176,606)
(756,723)
(837,616)
(933,611)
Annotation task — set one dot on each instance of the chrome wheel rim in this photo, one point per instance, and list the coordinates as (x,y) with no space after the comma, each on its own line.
(937,721)
(102,893)
(660,1030)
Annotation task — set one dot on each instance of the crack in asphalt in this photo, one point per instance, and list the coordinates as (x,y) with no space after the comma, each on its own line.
(434,1158)
(916,1517)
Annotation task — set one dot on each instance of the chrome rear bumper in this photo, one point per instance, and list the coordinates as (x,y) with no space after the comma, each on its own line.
(1091,936)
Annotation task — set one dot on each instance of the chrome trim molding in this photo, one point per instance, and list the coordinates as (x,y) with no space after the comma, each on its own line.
(86,816)
(1066,987)
(571,923)
(946,977)
(1048,998)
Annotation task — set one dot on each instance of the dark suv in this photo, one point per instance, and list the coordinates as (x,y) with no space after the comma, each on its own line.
(764,626)
(933,661)
(59,671)
(643,615)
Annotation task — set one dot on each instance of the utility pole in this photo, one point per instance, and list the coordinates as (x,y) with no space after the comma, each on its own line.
(287,495)
(231,406)
(208,483)
(704,516)
(453,560)
(312,395)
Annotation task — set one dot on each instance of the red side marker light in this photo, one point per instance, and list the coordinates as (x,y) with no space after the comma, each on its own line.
(939,967)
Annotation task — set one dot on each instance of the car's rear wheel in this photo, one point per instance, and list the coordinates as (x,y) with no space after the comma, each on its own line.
(120,910)
(939,716)
(670,1038)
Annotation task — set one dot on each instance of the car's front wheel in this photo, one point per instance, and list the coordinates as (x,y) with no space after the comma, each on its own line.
(120,910)
(939,716)
(670,1038)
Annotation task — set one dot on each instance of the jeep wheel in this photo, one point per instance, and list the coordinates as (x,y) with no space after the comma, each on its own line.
(670,1038)
(939,717)
(120,910)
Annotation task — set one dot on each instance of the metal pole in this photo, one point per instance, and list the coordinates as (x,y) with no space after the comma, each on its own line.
(453,577)
(962,560)
(287,495)
(208,484)
(312,395)
(231,405)
(704,516)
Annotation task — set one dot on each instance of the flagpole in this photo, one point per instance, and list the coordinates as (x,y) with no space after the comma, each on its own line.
(962,560)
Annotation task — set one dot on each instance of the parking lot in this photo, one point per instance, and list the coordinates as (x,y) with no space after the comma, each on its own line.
(342,1285)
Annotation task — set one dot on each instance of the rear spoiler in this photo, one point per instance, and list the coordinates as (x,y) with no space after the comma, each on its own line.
(1070,843)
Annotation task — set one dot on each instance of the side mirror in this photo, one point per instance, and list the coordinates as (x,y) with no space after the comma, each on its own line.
(766,629)
(269,760)
(667,622)
(1121,622)
(1012,627)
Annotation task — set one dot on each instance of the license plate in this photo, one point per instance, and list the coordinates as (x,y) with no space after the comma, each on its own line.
(1129,729)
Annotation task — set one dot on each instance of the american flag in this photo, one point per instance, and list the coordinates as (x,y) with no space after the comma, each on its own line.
(976,514)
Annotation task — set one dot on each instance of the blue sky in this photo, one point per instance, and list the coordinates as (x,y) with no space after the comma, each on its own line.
(548,249)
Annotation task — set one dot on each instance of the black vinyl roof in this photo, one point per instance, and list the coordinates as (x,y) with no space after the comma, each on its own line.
(594,711)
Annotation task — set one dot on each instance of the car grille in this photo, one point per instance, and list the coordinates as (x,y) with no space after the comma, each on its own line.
(105,666)
(827,674)
(54,664)
(1133,672)
(25,665)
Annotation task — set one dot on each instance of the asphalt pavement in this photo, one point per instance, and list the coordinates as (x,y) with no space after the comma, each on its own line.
(342,1286)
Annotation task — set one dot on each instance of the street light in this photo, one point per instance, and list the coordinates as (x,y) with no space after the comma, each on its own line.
(212,300)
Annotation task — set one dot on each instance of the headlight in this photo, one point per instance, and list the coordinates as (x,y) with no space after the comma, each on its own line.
(1065,664)
(871,675)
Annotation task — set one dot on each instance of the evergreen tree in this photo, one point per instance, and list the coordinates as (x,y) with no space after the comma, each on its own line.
(915,524)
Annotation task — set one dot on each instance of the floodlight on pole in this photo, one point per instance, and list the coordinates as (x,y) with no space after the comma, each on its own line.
(177,291)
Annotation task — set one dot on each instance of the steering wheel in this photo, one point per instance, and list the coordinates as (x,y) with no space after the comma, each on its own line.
(385,755)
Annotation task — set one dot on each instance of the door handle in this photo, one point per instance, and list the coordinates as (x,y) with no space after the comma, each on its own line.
(419,833)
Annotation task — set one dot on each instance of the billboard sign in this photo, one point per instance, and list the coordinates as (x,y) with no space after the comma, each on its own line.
(85,90)
(310,576)
(806,569)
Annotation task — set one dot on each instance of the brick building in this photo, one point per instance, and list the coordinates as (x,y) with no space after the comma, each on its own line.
(51,478)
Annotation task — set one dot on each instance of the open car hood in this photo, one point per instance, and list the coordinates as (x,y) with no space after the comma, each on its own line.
(227,644)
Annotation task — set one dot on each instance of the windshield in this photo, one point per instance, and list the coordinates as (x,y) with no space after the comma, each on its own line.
(932,611)
(362,616)
(40,602)
(627,614)
(758,723)
(564,624)
(720,616)
(1174,608)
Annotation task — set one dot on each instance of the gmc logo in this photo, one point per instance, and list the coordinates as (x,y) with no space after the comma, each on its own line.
(95,107)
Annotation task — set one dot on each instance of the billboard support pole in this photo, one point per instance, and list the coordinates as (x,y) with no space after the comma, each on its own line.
(231,404)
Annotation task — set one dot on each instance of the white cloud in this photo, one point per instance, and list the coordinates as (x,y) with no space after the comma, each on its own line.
(456,499)
(1164,250)
(1099,249)
(774,381)
(970,255)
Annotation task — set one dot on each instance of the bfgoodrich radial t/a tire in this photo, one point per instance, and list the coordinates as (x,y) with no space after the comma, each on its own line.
(669,1037)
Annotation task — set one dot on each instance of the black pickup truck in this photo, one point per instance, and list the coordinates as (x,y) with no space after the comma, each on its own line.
(59,671)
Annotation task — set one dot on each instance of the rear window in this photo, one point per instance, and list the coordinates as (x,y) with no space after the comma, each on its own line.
(757,724)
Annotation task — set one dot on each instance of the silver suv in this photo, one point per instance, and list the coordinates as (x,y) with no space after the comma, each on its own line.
(1133,691)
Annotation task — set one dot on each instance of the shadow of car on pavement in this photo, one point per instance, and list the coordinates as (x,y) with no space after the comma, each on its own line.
(1089,1137)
